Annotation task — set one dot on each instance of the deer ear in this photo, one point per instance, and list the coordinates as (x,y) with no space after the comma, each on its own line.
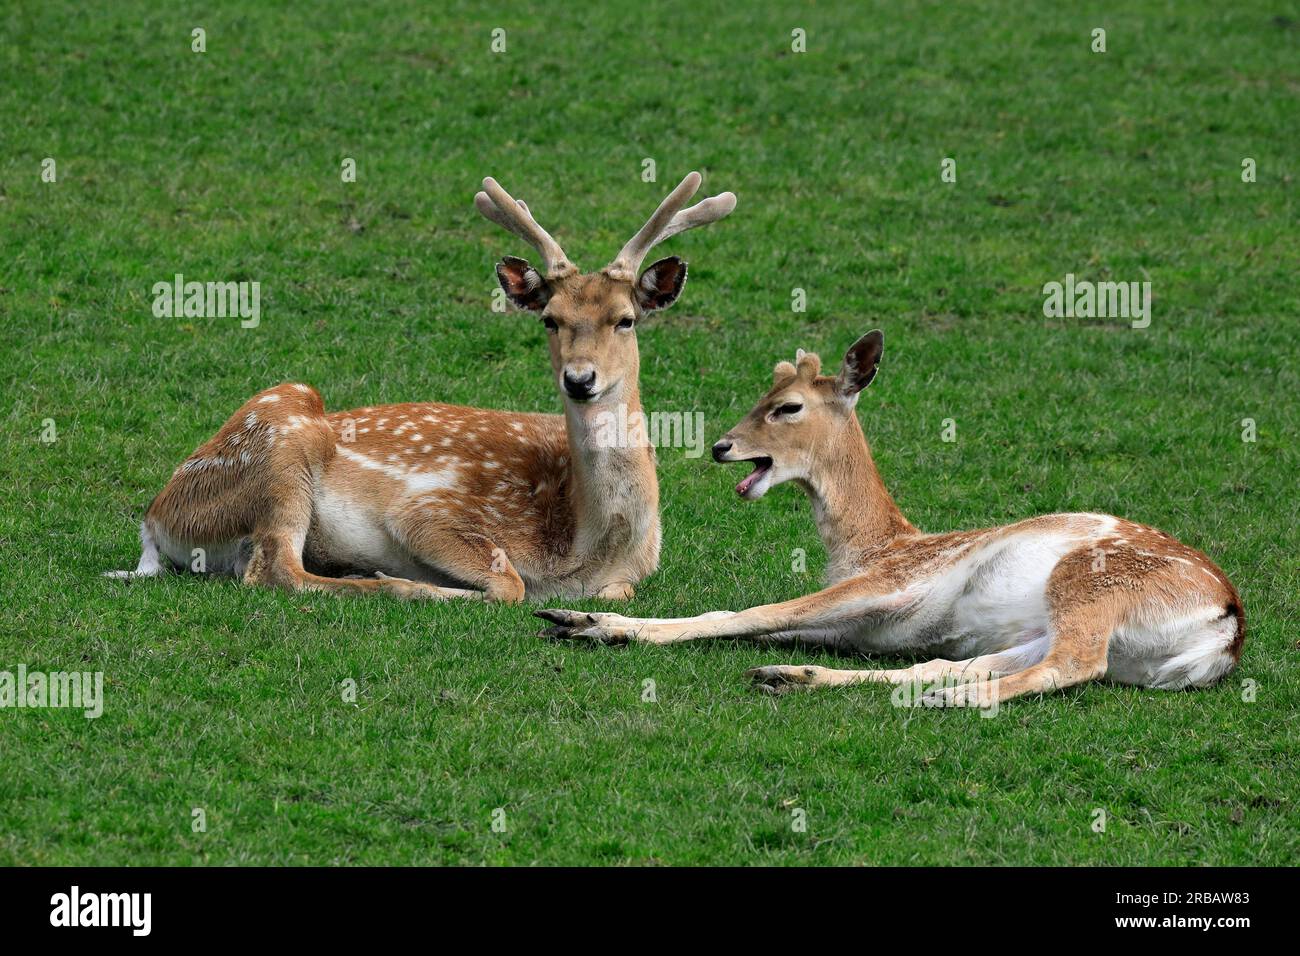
(661,284)
(523,284)
(860,364)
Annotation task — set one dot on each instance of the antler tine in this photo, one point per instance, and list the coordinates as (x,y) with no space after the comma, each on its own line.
(668,220)
(701,214)
(499,206)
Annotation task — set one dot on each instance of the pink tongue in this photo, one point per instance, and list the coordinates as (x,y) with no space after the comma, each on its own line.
(749,480)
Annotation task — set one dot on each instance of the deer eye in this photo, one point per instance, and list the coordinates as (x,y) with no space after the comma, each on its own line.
(789,408)
(626,323)
(550,324)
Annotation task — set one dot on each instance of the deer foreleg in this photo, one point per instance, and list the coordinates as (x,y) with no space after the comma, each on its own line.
(826,617)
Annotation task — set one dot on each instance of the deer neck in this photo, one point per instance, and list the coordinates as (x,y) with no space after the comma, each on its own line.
(856,516)
(615,492)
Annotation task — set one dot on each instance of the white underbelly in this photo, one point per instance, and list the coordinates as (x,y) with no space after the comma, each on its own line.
(991,600)
(346,534)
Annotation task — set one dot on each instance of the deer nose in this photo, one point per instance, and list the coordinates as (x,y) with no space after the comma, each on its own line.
(720,449)
(580,384)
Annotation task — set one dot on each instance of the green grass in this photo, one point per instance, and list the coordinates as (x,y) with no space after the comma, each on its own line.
(225,165)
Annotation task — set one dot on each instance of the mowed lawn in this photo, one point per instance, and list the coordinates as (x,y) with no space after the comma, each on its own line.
(225,165)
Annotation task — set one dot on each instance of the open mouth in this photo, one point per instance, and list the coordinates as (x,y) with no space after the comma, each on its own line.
(755,479)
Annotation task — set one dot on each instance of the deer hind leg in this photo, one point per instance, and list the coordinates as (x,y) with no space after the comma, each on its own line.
(1085,606)
(982,668)
(463,553)
(278,542)
(1115,619)
(205,516)
(277,562)
(779,678)
(242,502)
(281,533)
(1077,655)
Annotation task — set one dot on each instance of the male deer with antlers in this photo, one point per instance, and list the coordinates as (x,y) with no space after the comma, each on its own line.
(1025,608)
(439,501)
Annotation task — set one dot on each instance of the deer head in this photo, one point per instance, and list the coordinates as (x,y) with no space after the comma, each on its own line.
(591,318)
(803,415)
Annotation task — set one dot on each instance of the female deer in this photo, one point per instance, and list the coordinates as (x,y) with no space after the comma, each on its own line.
(1024,608)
